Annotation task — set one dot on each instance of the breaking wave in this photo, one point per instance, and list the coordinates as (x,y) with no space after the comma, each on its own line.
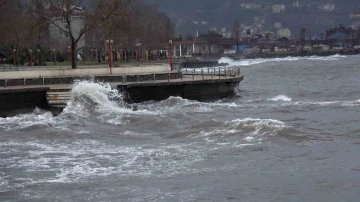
(250,62)
(249,129)
(91,101)
(281,98)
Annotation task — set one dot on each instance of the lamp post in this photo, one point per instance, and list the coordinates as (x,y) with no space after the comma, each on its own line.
(14,50)
(92,55)
(31,58)
(69,55)
(138,53)
(109,42)
(38,56)
(171,58)
(54,56)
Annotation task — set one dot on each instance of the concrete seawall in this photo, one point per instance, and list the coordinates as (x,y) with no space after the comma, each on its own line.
(23,94)
(22,100)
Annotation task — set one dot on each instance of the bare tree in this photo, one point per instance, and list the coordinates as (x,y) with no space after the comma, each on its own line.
(60,12)
(16,28)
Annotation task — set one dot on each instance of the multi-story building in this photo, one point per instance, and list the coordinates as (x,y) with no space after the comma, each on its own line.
(59,39)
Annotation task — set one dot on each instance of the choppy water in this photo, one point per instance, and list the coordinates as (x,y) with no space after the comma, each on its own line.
(291,134)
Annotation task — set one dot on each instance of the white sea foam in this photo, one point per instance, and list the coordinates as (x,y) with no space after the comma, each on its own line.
(281,98)
(252,129)
(84,159)
(249,62)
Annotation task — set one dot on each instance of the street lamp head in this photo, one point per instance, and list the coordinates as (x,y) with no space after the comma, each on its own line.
(38,50)
(14,50)
(31,51)
(170,41)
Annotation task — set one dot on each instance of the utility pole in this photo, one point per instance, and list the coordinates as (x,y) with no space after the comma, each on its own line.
(109,42)
(171,57)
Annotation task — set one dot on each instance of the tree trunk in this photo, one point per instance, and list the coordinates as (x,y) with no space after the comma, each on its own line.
(73,54)
(99,56)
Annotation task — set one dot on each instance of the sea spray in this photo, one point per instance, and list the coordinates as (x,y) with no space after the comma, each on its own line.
(283,98)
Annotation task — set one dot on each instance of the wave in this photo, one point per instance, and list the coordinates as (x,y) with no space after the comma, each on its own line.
(250,62)
(260,103)
(281,98)
(99,102)
(249,128)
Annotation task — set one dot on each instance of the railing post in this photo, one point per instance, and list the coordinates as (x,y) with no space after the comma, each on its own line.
(181,76)
(153,77)
(193,74)
(168,76)
(225,73)
(202,74)
(219,73)
(5,83)
(43,81)
(208,70)
(24,82)
(137,76)
(186,69)
(123,78)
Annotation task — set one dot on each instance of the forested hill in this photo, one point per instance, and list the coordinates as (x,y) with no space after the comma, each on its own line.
(192,15)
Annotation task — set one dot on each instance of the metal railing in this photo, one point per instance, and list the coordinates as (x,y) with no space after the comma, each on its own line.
(202,74)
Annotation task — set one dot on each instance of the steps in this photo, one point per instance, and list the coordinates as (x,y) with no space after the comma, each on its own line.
(58,96)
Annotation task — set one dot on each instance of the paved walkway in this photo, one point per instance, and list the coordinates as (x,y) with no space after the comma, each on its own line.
(54,87)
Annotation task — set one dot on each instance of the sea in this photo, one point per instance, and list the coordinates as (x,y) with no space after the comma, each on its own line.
(291,132)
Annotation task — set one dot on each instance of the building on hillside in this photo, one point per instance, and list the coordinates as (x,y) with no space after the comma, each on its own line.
(251,6)
(60,40)
(339,33)
(296,4)
(285,32)
(327,7)
(278,8)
